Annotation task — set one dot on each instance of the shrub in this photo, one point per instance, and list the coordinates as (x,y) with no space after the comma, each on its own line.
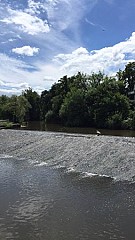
(115,121)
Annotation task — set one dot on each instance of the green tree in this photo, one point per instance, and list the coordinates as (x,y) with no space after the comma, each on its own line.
(3,102)
(34,100)
(73,111)
(129,76)
(45,103)
(104,101)
(10,108)
(95,79)
(78,81)
(22,108)
(14,108)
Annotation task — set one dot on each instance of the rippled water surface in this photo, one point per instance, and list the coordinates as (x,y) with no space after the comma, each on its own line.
(65,186)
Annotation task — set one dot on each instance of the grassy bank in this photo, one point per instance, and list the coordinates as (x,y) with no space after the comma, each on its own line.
(7,124)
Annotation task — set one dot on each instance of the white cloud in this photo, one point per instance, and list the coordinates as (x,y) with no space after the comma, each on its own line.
(10,91)
(94,24)
(34,7)
(13,70)
(16,75)
(49,34)
(9,40)
(109,60)
(26,50)
(27,23)
(63,14)
(15,85)
(10,88)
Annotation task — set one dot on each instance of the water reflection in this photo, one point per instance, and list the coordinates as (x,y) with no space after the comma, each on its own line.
(41,126)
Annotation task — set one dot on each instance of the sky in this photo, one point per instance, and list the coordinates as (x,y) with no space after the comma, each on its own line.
(43,40)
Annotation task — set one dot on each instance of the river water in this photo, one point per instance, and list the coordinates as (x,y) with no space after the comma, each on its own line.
(42,126)
(59,186)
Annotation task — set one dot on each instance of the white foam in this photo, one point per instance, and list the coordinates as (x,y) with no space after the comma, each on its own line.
(59,167)
(5,156)
(88,174)
(41,164)
(70,169)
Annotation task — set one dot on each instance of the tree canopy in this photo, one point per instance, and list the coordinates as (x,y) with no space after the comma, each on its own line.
(95,100)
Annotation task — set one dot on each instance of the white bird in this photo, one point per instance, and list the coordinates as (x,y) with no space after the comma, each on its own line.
(98,132)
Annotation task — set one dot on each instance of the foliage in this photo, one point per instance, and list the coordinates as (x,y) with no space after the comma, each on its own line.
(34,100)
(6,124)
(45,103)
(115,121)
(80,100)
(129,76)
(22,108)
(49,116)
(14,108)
(73,111)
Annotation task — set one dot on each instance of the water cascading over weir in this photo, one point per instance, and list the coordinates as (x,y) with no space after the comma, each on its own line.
(92,155)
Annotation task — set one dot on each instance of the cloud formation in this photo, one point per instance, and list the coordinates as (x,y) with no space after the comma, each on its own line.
(26,50)
(12,88)
(43,75)
(108,59)
(27,23)
(61,35)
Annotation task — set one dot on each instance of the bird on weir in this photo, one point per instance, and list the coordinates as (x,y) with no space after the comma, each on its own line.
(98,132)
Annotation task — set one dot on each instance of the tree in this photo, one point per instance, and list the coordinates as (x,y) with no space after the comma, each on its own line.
(129,76)
(73,111)
(22,108)
(106,100)
(78,81)
(34,100)
(45,103)
(3,102)
(10,108)
(14,108)
(96,79)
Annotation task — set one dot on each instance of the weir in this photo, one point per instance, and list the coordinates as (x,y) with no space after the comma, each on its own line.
(110,156)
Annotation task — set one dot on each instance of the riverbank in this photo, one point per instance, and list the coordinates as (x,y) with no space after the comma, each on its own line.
(5,124)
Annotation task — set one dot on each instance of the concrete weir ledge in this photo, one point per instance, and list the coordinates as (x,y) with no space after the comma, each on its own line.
(102,155)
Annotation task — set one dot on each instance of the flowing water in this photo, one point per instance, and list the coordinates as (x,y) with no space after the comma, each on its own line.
(58,186)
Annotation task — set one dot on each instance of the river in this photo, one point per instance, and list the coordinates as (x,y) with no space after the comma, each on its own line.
(62,186)
(42,126)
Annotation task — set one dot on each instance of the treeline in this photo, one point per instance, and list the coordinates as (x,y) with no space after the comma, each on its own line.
(95,100)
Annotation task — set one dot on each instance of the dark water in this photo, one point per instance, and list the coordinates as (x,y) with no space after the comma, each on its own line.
(41,126)
(52,187)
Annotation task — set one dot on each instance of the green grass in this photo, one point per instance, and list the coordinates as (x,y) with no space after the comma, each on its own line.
(6,124)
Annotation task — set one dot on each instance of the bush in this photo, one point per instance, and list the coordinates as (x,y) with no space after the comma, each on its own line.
(115,121)
(6,124)
(51,117)
(133,120)
(127,124)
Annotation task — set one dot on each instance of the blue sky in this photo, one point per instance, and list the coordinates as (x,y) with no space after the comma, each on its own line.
(43,40)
